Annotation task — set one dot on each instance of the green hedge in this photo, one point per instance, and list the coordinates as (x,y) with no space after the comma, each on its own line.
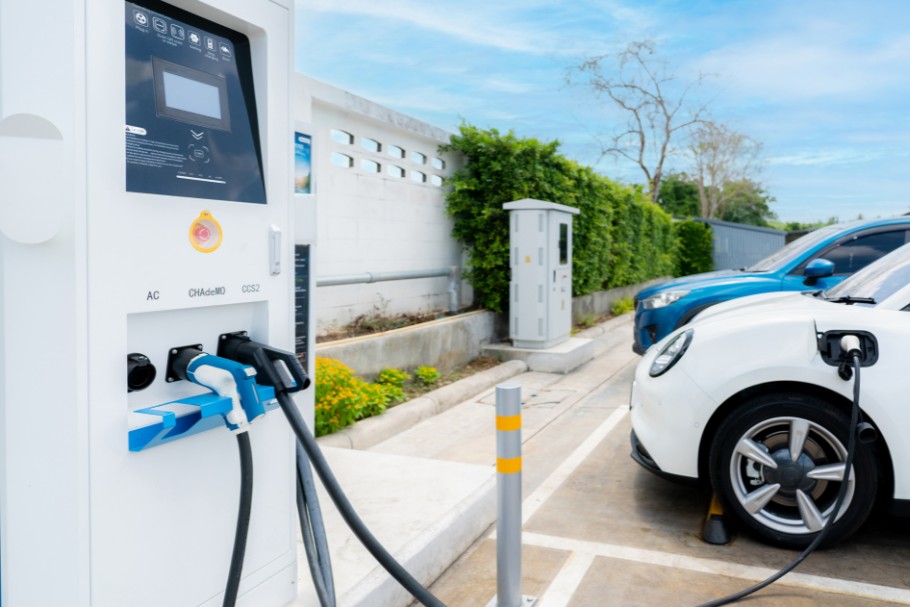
(620,237)
(696,247)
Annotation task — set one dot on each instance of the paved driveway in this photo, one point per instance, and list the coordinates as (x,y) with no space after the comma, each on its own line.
(600,531)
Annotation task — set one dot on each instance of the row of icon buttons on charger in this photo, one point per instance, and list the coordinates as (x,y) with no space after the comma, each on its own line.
(177,32)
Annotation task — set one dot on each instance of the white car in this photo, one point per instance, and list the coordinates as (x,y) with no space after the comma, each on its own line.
(749,397)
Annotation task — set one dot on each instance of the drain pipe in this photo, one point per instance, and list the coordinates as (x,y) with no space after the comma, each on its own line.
(370,277)
(453,290)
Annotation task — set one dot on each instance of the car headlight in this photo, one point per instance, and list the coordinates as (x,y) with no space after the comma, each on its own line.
(662,299)
(671,353)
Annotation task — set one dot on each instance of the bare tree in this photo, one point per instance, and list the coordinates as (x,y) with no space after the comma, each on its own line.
(721,156)
(655,101)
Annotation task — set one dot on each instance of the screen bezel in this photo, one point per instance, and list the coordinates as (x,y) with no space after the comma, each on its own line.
(160,66)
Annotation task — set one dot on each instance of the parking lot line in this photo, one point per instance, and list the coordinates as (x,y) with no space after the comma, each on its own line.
(567,580)
(700,565)
(546,489)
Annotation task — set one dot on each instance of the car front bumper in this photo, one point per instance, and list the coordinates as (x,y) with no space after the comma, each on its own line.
(669,414)
(651,326)
(643,458)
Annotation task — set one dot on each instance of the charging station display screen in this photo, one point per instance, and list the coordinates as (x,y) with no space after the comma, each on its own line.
(191,123)
(188,95)
(191,96)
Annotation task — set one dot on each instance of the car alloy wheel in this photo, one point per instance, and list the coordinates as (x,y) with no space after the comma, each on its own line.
(778,463)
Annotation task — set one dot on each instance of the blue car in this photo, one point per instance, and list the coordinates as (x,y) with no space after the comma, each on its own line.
(818,260)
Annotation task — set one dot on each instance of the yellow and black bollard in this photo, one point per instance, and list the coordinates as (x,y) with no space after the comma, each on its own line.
(715,529)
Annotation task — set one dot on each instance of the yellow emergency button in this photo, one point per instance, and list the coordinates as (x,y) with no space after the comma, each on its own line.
(205,233)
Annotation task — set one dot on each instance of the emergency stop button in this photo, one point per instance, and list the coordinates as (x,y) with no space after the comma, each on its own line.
(205,233)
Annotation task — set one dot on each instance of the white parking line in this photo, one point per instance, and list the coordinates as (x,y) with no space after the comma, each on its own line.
(533,502)
(699,565)
(583,553)
(567,580)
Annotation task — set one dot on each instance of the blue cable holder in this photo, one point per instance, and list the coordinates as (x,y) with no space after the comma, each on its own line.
(199,413)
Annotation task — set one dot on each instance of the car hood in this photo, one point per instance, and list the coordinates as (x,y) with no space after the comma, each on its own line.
(778,301)
(708,280)
(781,308)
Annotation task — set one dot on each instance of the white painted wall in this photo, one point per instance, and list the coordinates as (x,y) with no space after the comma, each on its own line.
(371,221)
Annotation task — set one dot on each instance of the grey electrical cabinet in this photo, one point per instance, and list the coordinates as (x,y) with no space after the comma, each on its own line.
(540,307)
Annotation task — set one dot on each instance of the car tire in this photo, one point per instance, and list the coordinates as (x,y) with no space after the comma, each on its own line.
(782,500)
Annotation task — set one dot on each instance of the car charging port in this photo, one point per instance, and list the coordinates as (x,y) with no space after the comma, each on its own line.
(831,346)
(140,372)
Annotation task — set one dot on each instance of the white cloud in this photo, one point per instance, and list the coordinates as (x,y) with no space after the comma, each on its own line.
(821,60)
(476,24)
(538,27)
(503,85)
(635,20)
(825,157)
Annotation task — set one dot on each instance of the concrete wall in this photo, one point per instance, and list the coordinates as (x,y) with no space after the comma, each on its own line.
(451,342)
(446,344)
(381,214)
(600,303)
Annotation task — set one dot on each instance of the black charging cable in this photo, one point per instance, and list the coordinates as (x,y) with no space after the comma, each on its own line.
(345,508)
(282,371)
(312,532)
(243,519)
(856,356)
(181,366)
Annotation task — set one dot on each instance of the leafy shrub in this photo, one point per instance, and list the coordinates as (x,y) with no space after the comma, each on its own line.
(620,237)
(377,399)
(392,381)
(500,168)
(586,321)
(426,375)
(392,377)
(621,306)
(644,244)
(696,247)
(342,398)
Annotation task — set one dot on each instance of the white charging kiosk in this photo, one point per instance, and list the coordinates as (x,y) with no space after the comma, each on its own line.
(145,204)
(540,309)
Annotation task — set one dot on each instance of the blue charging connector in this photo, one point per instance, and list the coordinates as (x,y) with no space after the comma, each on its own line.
(237,397)
(232,380)
(226,378)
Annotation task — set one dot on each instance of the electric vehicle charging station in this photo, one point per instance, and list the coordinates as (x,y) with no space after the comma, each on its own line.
(145,166)
(541,243)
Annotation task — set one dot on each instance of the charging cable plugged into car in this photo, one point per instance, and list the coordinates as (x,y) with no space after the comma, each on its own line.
(849,351)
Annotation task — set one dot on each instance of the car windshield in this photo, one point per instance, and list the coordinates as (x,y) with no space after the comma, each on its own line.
(781,257)
(878,280)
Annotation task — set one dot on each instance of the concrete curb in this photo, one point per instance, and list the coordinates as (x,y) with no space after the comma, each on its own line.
(432,552)
(606,326)
(373,430)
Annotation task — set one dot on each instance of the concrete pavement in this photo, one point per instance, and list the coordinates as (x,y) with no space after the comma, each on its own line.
(428,492)
(598,530)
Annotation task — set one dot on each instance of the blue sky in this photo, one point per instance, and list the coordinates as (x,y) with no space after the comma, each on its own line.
(823,85)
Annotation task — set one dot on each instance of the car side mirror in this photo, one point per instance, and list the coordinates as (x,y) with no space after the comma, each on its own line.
(817,268)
